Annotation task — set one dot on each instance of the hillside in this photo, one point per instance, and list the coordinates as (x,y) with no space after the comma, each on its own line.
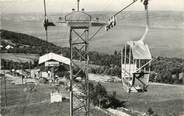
(23,43)
(165,70)
(164,99)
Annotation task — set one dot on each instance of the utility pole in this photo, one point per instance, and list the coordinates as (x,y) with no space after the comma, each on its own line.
(22,74)
(5,89)
(1,73)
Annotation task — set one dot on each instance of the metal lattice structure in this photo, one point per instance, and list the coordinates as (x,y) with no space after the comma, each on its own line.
(79,91)
(80,23)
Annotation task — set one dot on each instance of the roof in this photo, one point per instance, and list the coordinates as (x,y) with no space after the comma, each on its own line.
(78,16)
(53,56)
(140,50)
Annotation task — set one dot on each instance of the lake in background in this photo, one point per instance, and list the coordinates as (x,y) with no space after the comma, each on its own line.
(165,38)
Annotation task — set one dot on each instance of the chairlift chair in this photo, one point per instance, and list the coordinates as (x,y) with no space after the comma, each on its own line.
(135,64)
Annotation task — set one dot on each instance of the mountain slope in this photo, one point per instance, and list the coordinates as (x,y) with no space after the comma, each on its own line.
(23,43)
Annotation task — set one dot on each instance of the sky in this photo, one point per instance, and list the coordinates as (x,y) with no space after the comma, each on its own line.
(26,6)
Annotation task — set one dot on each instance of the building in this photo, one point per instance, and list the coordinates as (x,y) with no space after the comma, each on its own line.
(49,63)
(181,77)
(52,59)
(9,47)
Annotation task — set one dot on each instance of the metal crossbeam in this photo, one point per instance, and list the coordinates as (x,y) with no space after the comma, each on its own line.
(125,7)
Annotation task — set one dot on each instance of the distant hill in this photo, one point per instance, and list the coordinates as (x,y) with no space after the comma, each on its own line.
(23,43)
(18,49)
(166,70)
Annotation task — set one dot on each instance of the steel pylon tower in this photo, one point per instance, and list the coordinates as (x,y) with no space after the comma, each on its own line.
(79,91)
(80,23)
(78,39)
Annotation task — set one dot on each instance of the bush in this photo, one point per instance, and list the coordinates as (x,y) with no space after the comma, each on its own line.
(150,111)
(99,97)
(44,80)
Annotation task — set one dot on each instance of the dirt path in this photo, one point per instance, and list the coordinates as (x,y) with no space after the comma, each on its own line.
(117,112)
(170,85)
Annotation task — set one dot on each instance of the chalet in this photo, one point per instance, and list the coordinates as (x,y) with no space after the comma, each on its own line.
(49,62)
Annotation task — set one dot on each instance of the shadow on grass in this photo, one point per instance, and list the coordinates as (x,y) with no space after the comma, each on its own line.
(112,102)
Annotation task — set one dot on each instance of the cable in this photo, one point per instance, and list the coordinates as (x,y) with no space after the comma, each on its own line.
(95,33)
(145,3)
(125,7)
(113,21)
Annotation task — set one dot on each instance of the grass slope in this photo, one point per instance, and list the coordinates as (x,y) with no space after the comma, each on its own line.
(36,103)
(162,98)
(15,57)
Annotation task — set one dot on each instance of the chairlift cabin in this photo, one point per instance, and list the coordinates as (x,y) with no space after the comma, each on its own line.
(135,64)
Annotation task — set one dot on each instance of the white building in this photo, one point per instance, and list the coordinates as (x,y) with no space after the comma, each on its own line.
(52,60)
(9,47)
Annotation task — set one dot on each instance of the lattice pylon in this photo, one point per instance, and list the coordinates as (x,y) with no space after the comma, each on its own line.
(79,88)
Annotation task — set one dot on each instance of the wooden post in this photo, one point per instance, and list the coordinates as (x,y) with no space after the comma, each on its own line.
(129,60)
(139,63)
(122,62)
(5,89)
(125,58)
